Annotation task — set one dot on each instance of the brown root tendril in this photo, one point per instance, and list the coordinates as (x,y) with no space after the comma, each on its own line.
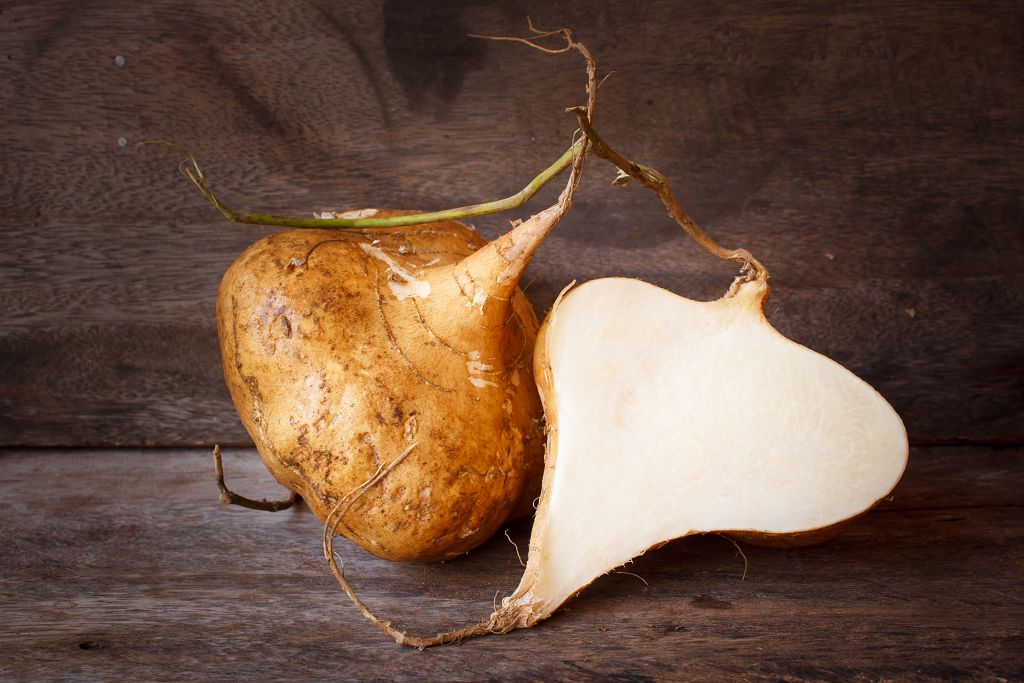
(516,546)
(229,497)
(746,564)
(335,520)
(750,270)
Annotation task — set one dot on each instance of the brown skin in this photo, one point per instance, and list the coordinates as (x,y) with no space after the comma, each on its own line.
(797,539)
(333,376)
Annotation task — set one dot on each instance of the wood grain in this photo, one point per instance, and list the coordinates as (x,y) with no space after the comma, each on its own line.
(122,565)
(870,154)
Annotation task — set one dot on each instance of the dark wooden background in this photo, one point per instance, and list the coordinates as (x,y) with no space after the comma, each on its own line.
(869,153)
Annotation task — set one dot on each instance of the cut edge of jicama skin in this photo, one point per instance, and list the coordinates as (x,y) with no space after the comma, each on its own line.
(742,311)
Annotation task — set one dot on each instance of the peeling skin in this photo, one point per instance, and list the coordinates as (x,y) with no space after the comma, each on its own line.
(406,285)
(476,367)
(479,299)
(530,233)
(411,427)
(393,340)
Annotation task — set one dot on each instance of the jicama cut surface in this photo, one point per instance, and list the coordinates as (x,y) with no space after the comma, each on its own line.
(670,417)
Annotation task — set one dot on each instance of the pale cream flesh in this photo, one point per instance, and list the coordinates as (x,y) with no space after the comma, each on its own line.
(675,417)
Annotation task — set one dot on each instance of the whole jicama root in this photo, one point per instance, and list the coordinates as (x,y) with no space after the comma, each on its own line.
(343,351)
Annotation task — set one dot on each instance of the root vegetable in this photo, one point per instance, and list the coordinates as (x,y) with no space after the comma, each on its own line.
(342,350)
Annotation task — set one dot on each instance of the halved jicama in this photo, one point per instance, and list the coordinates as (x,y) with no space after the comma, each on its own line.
(670,417)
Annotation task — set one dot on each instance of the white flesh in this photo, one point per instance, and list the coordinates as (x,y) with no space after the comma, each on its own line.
(676,417)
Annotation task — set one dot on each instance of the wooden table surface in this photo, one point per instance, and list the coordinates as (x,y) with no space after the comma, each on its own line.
(122,565)
(871,154)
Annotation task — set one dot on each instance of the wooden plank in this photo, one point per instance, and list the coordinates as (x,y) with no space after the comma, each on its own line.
(122,565)
(870,154)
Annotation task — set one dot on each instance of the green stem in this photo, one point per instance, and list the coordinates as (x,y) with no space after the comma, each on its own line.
(190,167)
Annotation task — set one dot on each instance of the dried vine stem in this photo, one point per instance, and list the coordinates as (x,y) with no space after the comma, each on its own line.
(229,497)
(751,270)
(501,620)
(570,44)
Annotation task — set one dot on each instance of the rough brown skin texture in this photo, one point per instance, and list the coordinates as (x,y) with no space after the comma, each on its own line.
(333,376)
